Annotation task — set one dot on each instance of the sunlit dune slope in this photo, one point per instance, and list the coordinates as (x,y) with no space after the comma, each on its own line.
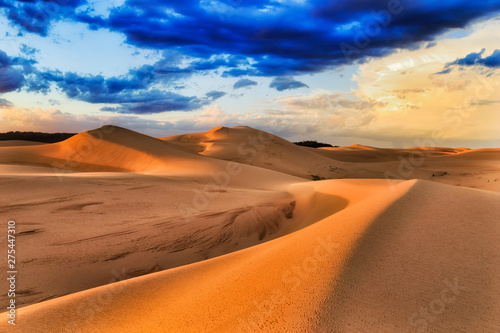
(108,148)
(251,146)
(112,148)
(478,168)
(364,154)
(16,143)
(399,257)
(491,154)
(252,152)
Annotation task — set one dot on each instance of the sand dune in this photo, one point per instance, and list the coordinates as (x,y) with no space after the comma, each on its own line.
(370,267)
(468,168)
(363,154)
(224,231)
(247,145)
(108,148)
(135,222)
(17,143)
(478,168)
(115,149)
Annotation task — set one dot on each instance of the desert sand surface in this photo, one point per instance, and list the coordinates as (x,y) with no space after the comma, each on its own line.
(254,147)
(13,143)
(478,168)
(226,231)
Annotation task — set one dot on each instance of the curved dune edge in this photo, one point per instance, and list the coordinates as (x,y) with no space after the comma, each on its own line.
(331,276)
(113,149)
(251,154)
(254,147)
(366,255)
(192,296)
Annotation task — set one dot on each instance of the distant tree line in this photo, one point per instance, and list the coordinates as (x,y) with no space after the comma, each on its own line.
(313,144)
(36,136)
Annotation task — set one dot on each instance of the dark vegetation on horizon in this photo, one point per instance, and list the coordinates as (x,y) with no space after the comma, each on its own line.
(313,144)
(36,136)
(57,137)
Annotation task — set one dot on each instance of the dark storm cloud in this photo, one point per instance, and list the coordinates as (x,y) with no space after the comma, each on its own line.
(28,51)
(290,38)
(5,103)
(233,38)
(492,61)
(157,103)
(298,37)
(133,91)
(11,76)
(97,89)
(444,71)
(468,60)
(285,83)
(133,87)
(213,95)
(35,16)
(244,83)
(475,59)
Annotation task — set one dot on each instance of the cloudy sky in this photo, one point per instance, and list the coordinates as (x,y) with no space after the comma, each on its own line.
(387,73)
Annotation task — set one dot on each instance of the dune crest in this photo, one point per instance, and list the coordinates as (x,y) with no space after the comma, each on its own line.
(226,231)
(349,269)
(247,145)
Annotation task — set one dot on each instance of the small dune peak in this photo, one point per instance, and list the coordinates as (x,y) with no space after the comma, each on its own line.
(110,128)
(358,146)
(106,129)
(219,129)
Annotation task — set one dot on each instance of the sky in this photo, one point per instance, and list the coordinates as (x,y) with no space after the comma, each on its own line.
(391,73)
